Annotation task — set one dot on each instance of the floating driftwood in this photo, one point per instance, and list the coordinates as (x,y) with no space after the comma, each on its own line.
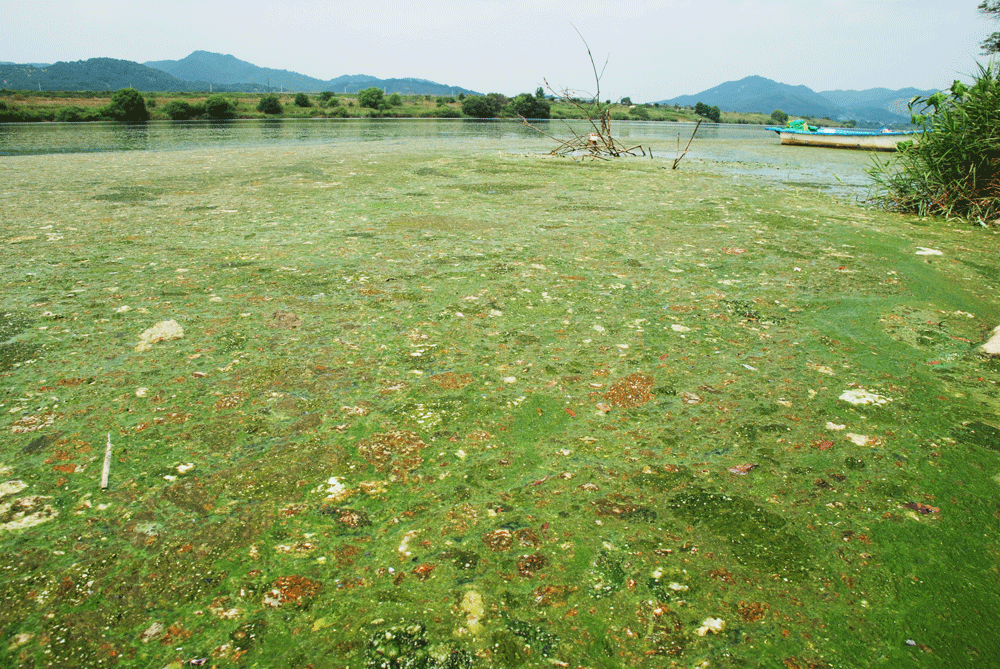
(597,142)
(107,465)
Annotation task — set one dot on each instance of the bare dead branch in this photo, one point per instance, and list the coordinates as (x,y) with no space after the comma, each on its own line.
(598,143)
(677,161)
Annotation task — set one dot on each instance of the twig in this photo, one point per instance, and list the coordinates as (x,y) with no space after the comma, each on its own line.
(599,143)
(107,465)
(678,159)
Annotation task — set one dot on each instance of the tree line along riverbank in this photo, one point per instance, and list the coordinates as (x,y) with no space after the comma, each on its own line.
(83,106)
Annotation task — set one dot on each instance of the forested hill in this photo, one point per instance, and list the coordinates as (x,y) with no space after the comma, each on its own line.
(758,94)
(101,74)
(224,69)
(201,71)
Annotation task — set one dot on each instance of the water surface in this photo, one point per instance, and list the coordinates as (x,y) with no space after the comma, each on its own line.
(741,149)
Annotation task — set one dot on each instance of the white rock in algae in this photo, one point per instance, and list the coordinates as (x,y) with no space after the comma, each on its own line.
(992,347)
(162,331)
(713,625)
(862,396)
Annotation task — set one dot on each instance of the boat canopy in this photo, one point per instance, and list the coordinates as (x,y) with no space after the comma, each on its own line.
(800,125)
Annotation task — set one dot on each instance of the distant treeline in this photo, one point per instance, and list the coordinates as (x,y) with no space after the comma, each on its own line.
(132,106)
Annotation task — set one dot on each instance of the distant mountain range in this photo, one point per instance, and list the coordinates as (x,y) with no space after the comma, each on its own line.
(757,94)
(102,74)
(224,69)
(204,71)
(200,71)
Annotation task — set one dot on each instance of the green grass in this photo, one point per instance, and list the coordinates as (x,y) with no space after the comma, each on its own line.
(42,105)
(529,377)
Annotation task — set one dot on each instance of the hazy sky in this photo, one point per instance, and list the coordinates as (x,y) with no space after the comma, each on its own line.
(655,49)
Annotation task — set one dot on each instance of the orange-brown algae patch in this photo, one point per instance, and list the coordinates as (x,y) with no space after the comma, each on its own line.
(499,540)
(291,590)
(527,537)
(452,381)
(553,595)
(752,611)
(631,391)
(33,423)
(349,517)
(529,564)
(397,451)
(423,572)
(231,401)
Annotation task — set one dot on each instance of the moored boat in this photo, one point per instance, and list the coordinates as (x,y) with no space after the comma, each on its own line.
(842,138)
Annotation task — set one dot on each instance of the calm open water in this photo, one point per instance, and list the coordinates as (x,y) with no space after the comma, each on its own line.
(742,149)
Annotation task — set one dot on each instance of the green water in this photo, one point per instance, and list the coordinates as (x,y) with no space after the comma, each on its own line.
(451,406)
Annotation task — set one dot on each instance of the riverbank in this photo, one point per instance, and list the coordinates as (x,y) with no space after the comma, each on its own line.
(43,106)
(508,410)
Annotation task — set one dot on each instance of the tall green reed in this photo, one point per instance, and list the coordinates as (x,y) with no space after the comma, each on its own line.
(952,168)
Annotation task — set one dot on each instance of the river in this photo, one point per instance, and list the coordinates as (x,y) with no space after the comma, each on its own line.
(743,149)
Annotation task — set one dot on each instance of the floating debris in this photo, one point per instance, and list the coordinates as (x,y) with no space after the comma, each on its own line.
(26,512)
(711,625)
(284,320)
(33,423)
(992,347)
(162,331)
(863,439)
(475,610)
(691,398)
(336,490)
(862,396)
(921,508)
(8,488)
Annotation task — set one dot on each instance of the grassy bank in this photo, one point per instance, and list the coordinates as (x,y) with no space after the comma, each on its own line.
(487,410)
(45,105)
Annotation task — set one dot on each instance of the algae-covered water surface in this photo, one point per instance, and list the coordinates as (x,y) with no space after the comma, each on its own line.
(376,407)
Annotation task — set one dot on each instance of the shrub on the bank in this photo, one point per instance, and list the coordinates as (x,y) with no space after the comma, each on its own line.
(953,166)
(128,105)
(478,107)
(74,114)
(528,106)
(219,107)
(178,110)
(373,98)
(270,104)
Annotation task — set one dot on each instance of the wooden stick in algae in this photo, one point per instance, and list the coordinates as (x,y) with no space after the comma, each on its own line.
(107,465)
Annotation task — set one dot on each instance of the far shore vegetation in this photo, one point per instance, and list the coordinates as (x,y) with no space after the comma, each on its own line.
(81,106)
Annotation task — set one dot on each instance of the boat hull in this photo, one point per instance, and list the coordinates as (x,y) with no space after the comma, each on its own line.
(867,141)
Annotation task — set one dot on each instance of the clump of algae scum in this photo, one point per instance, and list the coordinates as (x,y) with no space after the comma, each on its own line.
(442,410)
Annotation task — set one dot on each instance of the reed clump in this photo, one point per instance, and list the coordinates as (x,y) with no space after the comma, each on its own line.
(953,168)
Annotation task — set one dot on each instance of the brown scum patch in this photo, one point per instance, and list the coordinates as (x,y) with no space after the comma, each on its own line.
(397,451)
(285,320)
(498,540)
(529,564)
(291,590)
(752,611)
(231,401)
(452,381)
(632,391)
